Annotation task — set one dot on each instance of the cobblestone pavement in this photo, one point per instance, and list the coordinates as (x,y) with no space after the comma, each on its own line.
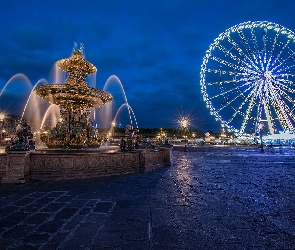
(208,199)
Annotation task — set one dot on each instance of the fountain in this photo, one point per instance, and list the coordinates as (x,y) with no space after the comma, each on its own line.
(77,154)
(74,129)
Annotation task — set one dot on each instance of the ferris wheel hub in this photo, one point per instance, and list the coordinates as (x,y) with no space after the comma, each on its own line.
(268,75)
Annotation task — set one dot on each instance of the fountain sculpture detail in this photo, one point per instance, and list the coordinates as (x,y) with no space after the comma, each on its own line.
(75,98)
(23,141)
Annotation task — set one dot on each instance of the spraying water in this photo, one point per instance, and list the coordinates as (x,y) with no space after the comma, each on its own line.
(20,76)
(53,112)
(129,108)
(40,81)
(116,80)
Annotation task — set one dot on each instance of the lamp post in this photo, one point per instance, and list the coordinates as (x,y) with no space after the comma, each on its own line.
(2,116)
(184,123)
(113,129)
(260,127)
(223,135)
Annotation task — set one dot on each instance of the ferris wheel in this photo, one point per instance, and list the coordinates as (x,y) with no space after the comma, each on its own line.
(248,78)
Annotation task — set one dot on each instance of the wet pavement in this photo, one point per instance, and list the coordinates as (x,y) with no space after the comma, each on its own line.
(210,198)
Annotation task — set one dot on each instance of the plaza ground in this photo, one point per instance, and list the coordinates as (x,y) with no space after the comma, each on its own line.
(210,198)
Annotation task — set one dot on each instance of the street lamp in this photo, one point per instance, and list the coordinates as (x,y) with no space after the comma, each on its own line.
(260,127)
(2,116)
(184,123)
(194,137)
(113,129)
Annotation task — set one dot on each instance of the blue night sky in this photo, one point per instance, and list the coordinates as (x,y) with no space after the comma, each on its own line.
(155,48)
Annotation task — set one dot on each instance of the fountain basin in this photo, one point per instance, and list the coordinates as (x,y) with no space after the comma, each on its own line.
(21,167)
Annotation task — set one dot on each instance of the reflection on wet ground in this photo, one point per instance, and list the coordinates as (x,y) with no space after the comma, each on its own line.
(210,198)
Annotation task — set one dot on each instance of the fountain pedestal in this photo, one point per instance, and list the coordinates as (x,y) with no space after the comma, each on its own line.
(24,166)
(17,167)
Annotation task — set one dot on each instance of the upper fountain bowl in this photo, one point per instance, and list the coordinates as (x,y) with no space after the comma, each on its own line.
(77,67)
(74,94)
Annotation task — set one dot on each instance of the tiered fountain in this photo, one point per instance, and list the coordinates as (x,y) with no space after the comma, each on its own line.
(74,129)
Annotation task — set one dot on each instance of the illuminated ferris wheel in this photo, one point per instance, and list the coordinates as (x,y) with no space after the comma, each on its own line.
(248,78)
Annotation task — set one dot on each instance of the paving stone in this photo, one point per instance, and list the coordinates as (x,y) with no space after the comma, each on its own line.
(136,230)
(52,207)
(18,231)
(37,238)
(138,245)
(265,227)
(190,239)
(164,236)
(66,213)
(250,239)
(281,240)
(83,235)
(161,217)
(13,219)
(50,226)
(234,222)
(108,239)
(72,223)
(57,239)
(103,207)
(37,218)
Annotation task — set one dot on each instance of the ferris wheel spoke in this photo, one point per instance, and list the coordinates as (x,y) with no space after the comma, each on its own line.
(228,81)
(236,46)
(283,86)
(224,62)
(285,75)
(223,72)
(269,117)
(229,91)
(244,41)
(229,53)
(291,114)
(281,109)
(231,101)
(280,53)
(264,39)
(288,98)
(289,67)
(274,43)
(244,102)
(283,62)
(259,112)
(253,95)
(280,64)
(254,39)
(279,114)
(292,53)
(272,50)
